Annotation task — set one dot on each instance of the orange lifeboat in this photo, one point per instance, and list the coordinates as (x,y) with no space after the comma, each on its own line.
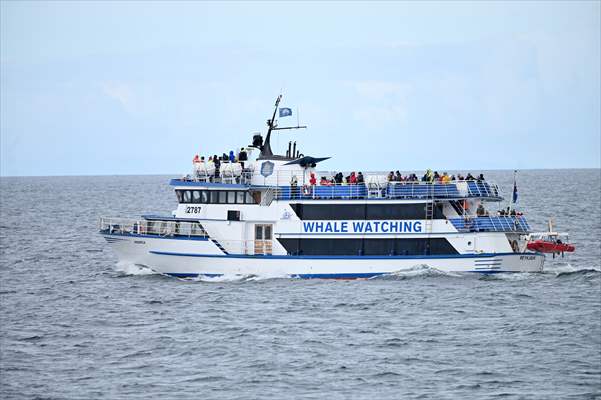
(549,246)
(550,242)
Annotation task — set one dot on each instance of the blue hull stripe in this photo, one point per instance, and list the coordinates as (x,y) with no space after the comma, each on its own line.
(288,257)
(321,276)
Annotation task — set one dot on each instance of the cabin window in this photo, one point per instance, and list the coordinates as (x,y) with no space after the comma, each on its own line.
(248,198)
(240,197)
(196,196)
(222,197)
(214,197)
(178,193)
(231,197)
(187,196)
(204,198)
(368,247)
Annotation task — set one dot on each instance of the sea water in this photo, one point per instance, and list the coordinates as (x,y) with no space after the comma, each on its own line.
(75,324)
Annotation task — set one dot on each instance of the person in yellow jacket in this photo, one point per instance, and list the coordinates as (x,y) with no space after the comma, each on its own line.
(429,176)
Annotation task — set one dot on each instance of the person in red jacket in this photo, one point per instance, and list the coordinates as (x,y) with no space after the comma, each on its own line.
(313,180)
(353,179)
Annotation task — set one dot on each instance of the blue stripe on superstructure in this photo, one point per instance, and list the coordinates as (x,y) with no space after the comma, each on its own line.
(177,182)
(135,235)
(151,217)
(483,255)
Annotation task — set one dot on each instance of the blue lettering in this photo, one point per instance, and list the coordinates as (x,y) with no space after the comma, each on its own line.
(319,227)
(385,223)
(308,226)
(394,226)
(329,227)
(417,226)
(358,226)
(368,227)
(407,227)
(344,227)
(376,225)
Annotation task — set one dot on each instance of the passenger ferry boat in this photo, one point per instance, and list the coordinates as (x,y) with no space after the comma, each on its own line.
(268,217)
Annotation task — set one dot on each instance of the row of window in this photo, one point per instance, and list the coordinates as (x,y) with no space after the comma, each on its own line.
(214,197)
(367,247)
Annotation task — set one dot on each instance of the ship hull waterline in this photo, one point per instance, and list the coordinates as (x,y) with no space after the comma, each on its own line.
(183,259)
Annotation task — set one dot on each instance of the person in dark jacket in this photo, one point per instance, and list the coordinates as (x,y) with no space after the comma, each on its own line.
(242,156)
(217,164)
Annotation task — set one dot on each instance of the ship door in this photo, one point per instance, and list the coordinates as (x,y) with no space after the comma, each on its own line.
(263,235)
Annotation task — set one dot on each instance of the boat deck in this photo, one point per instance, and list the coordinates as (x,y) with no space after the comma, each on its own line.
(389,190)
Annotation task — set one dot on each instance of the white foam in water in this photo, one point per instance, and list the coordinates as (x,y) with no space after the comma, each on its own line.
(221,278)
(418,271)
(236,278)
(133,269)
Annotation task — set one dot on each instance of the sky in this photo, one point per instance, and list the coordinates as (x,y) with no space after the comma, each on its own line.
(102,88)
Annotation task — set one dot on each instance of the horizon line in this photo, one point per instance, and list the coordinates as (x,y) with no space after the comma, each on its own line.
(179,174)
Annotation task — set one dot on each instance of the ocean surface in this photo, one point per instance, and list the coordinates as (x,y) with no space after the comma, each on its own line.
(75,325)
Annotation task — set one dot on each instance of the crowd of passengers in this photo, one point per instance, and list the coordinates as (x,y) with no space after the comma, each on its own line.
(216,161)
(432,177)
(241,157)
(338,179)
(358,178)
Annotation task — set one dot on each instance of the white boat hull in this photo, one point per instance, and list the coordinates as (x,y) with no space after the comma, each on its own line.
(192,258)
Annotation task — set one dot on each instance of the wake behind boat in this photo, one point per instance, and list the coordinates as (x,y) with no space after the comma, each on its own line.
(272,216)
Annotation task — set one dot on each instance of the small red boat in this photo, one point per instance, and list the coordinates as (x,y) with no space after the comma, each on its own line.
(549,246)
(550,242)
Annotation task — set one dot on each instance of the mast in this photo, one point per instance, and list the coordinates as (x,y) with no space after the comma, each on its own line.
(266,152)
(266,148)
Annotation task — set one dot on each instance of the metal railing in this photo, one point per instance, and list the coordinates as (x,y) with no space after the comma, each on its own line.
(391,190)
(129,226)
(512,223)
(181,229)
(374,185)
(227,173)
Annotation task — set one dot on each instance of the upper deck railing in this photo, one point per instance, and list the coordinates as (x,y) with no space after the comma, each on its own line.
(507,223)
(369,189)
(128,226)
(391,190)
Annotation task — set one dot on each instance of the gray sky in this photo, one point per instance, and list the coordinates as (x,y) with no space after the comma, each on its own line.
(139,88)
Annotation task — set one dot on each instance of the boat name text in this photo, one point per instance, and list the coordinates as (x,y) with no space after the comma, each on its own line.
(362,227)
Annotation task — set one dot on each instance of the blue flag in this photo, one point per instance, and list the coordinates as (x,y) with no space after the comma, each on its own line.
(515,192)
(285,112)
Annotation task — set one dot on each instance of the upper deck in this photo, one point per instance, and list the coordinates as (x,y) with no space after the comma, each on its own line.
(371,190)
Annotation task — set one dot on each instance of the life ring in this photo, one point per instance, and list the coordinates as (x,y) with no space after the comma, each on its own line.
(514,246)
(306,190)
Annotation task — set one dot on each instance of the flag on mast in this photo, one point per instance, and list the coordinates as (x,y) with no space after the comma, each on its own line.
(285,112)
(515,188)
